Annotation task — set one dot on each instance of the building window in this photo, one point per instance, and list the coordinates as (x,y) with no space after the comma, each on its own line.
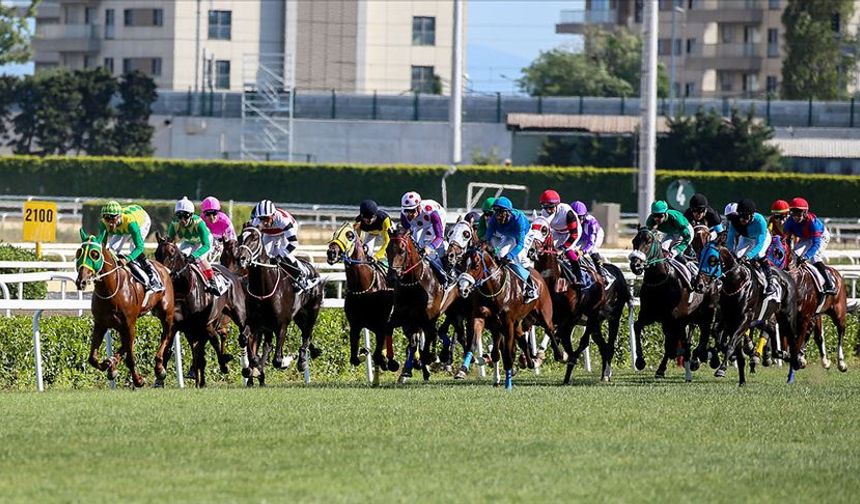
(726,83)
(773,4)
(143,17)
(727,33)
(109,22)
(772,43)
(750,83)
(664,46)
(836,23)
(157,17)
(222,74)
(108,65)
(689,89)
(89,15)
(423,31)
(219,24)
(423,79)
(156,66)
(148,66)
(88,61)
(771,83)
(691,46)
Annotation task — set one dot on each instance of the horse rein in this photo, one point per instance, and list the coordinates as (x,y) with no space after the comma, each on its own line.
(255,262)
(402,241)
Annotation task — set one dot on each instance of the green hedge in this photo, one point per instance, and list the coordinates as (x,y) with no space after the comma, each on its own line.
(160,212)
(135,178)
(65,346)
(32,290)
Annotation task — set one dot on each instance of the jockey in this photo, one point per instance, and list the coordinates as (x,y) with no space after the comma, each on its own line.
(778,214)
(374,223)
(812,238)
(426,221)
(280,240)
(749,238)
(486,215)
(129,225)
(700,213)
(564,229)
(219,225)
(507,231)
(195,239)
(672,223)
(591,236)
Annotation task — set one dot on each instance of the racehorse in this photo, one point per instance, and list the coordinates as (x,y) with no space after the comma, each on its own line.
(507,316)
(229,257)
(594,302)
(666,297)
(199,314)
(419,299)
(743,305)
(118,300)
(701,236)
(273,303)
(369,299)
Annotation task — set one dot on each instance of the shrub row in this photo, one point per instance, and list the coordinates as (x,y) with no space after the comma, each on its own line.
(32,290)
(830,195)
(65,347)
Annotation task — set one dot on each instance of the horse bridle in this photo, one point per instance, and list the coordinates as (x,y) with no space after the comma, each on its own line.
(401,241)
(654,255)
(489,276)
(255,253)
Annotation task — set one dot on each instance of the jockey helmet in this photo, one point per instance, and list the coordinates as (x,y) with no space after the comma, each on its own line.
(779,207)
(550,197)
(579,208)
(368,208)
(211,203)
(503,203)
(731,208)
(410,201)
(184,205)
(488,204)
(659,207)
(799,204)
(746,206)
(264,208)
(698,200)
(111,208)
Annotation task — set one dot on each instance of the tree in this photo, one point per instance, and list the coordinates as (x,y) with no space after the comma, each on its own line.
(133,133)
(820,56)
(599,151)
(93,131)
(7,99)
(707,141)
(608,66)
(15,32)
(48,112)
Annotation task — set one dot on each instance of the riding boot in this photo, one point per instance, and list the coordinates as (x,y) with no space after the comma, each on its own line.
(598,262)
(299,278)
(154,281)
(829,288)
(577,273)
(529,290)
(212,287)
(768,274)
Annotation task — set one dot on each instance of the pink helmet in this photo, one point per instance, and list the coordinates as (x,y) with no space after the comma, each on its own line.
(210,203)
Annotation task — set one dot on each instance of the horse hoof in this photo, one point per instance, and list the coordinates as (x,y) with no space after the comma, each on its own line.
(160,373)
(640,363)
(227,359)
(604,379)
(497,384)
(402,379)
(447,368)
(523,362)
(355,361)
(246,372)
(461,374)
(801,361)
(137,381)
(255,373)
(842,366)
(825,363)
(112,374)
(223,369)
(315,352)
(714,361)
(249,382)
(659,375)
(159,383)
(695,364)
(767,361)
(720,373)
(393,365)
(755,361)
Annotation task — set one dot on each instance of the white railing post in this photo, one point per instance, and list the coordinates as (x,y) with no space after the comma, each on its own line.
(369,358)
(631,317)
(177,357)
(109,351)
(37,350)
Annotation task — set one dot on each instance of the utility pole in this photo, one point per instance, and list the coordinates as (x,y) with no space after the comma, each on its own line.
(197,49)
(648,116)
(291,11)
(672,81)
(455,102)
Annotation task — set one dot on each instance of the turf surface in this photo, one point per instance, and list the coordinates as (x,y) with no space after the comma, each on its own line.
(636,439)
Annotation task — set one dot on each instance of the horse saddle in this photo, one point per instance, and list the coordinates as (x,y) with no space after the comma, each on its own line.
(222,283)
(567,278)
(142,278)
(816,276)
(594,270)
(686,271)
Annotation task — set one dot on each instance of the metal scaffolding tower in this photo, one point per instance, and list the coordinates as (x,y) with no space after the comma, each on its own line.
(267,107)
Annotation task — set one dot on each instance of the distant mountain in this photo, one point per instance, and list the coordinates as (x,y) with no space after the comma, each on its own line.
(486,65)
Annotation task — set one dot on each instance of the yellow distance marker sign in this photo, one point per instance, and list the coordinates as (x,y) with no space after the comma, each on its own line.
(40,221)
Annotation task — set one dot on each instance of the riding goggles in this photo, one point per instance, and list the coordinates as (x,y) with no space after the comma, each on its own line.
(110,217)
(183,215)
(210,213)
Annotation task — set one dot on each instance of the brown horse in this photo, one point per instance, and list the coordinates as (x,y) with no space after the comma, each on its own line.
(273,303)
(200,315)
(419,300)
(118,301)
(499,300)
(369,299)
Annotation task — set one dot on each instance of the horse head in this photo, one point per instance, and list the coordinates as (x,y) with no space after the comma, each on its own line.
(701,236)
(538,240)
(168,254)
(473,267)
(250,246)
(710,267)
(89,260)
(229,255)
(646,251)
(342,244)
(460,238)
(401,252)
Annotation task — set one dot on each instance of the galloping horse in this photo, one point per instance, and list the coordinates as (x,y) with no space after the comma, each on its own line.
(507,316)
(419,299)
(595,302)
(199,314)
(118,300)
(369,299)
(467,326)
(273,303)
(669,299)
(743,305)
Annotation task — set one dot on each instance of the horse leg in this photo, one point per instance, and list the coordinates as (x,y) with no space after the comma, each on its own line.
(732,348)
(128,335)
(354,336)
(837,316)
(508,354)
(198,358)
(279,361)
(168,332)
(496,357)
(640,324)
(606,352)
(818,334)
(96,338)
(411,347)
(670,339)
(393,365)
(306,322)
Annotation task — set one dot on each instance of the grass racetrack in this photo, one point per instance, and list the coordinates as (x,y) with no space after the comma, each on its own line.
(636,439)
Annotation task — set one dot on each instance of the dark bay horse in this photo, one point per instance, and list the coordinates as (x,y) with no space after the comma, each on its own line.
(199,314)
(369,299)
(498,296)
(273,303)
(118,301)
(743,305)
(419,300)
(666,298)
(593,304)
(468,327)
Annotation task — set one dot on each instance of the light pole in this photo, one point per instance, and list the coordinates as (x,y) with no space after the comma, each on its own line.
(648,111)
(679,10)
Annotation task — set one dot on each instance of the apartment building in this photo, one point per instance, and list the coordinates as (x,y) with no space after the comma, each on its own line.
(347,45)
(722,48)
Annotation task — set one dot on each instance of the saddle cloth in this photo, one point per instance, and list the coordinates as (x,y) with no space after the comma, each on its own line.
(589,276)
(221,282)
(816,276)
(142,278)
(687,272)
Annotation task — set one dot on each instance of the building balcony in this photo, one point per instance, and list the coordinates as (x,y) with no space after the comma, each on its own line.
(78,38)
(728,11)
(48,10)
(743,56)
(577,21)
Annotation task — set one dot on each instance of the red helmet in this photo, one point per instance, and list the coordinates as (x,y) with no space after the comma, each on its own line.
(799,204)
(550,197)
(779,207)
